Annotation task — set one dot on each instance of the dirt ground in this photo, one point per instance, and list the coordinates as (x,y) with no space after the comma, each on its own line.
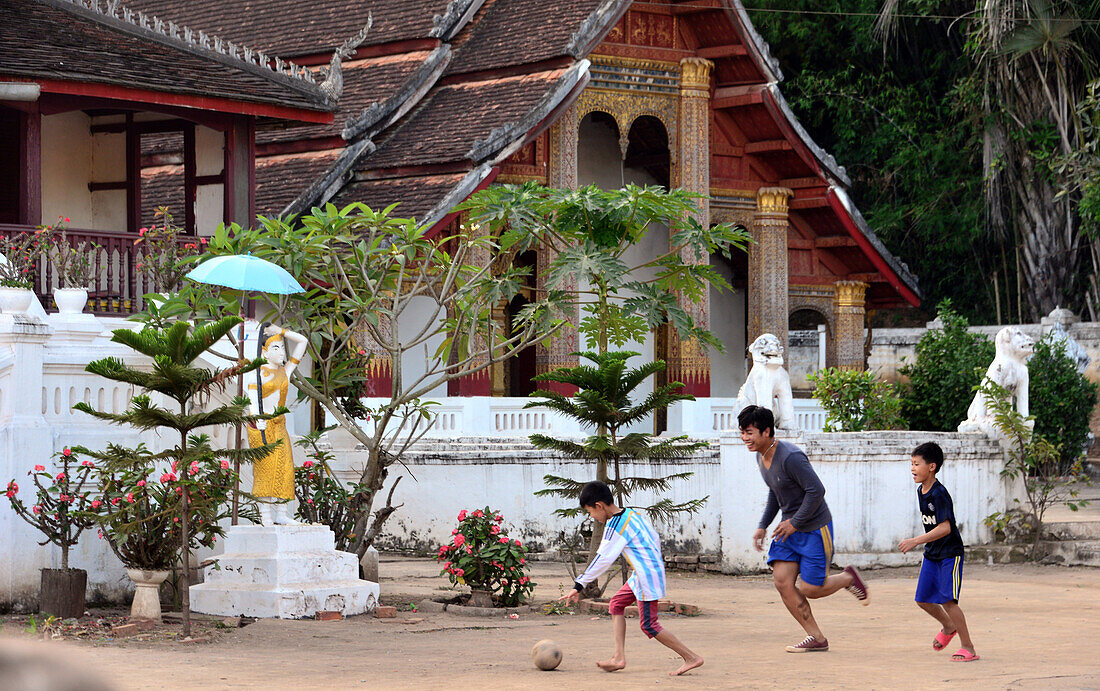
(1034,627)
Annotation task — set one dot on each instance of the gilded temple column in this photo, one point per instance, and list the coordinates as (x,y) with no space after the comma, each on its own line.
(850,312)
(768,284)
(562,175)
(688,362)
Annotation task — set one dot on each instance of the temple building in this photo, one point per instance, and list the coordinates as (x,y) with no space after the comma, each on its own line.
(445,97)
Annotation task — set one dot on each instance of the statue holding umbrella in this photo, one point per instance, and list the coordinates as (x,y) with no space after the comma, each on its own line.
(273,475)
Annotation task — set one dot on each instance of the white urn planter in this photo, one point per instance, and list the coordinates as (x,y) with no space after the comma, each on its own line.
(15,300)
(146,593)
(70,300)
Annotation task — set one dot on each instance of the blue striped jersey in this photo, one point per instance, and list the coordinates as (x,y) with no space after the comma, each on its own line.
(630,533)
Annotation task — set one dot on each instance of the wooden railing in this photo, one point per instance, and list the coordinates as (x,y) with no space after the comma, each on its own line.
(118,283)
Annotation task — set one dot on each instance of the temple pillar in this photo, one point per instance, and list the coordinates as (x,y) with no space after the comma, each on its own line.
(562,175)
(768,282)
(849,305)
(479,383)
(688,361)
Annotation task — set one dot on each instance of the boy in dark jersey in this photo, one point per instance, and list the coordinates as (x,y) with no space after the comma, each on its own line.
(940,578)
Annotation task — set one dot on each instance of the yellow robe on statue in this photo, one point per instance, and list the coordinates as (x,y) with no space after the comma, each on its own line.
(273,475)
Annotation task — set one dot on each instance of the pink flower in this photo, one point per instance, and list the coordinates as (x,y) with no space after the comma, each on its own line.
(459,539)
(498,518)
(225,464)
(309,501)
(522,560)
(523,581)
(142,232)
(130,497)
(96,504)
(63,498)
(39,468)
(462,515)
(517,542)
(138,266)
(312,476)
(447,566)
(114,501)
(504,540)
(362,352)
(469,550)
(60,476)
(168,477)
(67,452)
(494,530)
(87,464)
(100,534)
(478,514)
(66,219)
(36,509)
(203,241)
(141,483)
(13,488)
(194,467)
(460,572)
(454,532)
(307,464)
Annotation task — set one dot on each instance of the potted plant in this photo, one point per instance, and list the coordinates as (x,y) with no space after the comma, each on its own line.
(138,509)
(150,519)
(19,255)
(482,556)
(73,264)
(58,513)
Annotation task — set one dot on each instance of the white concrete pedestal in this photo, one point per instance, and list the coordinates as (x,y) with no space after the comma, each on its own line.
(284,571)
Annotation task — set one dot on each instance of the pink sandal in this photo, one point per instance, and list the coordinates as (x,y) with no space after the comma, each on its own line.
(964,655)
(942,639)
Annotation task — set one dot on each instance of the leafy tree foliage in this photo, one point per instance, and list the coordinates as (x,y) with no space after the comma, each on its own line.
(1062,400)
(950,363)
(855,401)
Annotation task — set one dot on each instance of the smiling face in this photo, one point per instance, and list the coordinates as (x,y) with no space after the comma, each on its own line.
(755,440)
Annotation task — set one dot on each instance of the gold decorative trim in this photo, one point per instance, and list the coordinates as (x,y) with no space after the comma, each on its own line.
(635,63)
(773,200)
(695,75)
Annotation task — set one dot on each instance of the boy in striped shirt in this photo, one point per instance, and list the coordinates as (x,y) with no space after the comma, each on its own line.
(629,533)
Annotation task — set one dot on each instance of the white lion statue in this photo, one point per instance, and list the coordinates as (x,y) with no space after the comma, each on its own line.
(1008,369)
(768,384)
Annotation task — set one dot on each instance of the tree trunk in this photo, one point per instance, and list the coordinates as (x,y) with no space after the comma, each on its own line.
(185,540)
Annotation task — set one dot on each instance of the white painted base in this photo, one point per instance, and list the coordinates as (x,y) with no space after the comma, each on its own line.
(283,571)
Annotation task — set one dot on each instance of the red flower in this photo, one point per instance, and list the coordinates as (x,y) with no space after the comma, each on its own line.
(194,467)
(202,240)
(87,464)
(460,572)
(60,476)
(168,477)
(494,530)
(37,509)
(309,501)
(362,352)
(13,488)
(100,534)
(141,483)
(130,497)
(142,231)
(503,540)
(517,542)
(96,504)
(66,219)
(462,515)
(39,468)
(114,501)
(307,464)
(478,514)
(67,452)
(498,518)
(469,550)
(225,464)
(459,539)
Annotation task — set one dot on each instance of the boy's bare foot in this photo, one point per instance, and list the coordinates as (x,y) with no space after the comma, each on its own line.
(611,665)
(688,666)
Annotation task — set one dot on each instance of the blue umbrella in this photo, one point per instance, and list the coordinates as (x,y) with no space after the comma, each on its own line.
(245,272)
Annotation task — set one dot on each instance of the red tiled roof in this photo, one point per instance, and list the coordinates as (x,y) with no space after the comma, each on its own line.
(279,179)
(433,135)
(365,82)
(57,40)
(417,194)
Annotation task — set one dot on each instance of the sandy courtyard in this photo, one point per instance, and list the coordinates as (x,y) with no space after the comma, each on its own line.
(1033,626)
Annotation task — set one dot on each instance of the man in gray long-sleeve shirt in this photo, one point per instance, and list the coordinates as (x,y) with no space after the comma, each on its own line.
(802,543)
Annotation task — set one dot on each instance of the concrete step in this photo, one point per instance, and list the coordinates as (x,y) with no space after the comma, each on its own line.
(1071,552)
(1072,530)
(997,554)
(289,601)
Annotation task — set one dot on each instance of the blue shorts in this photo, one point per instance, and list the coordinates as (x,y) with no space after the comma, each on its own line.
(813,551)
(940,581)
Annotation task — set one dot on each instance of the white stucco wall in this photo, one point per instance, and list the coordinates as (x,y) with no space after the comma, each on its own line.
(67,170)
(727,322)
(209,160)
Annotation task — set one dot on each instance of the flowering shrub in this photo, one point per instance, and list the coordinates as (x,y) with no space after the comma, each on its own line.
(482,556)
(162,262)
(72,262)
(59,504)
(138,507)
(321,497)
(22,252)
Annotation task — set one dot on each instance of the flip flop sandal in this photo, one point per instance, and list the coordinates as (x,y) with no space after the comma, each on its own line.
(964,655)
(942,639)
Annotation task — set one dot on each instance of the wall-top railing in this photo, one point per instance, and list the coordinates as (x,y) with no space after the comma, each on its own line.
(118,284)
